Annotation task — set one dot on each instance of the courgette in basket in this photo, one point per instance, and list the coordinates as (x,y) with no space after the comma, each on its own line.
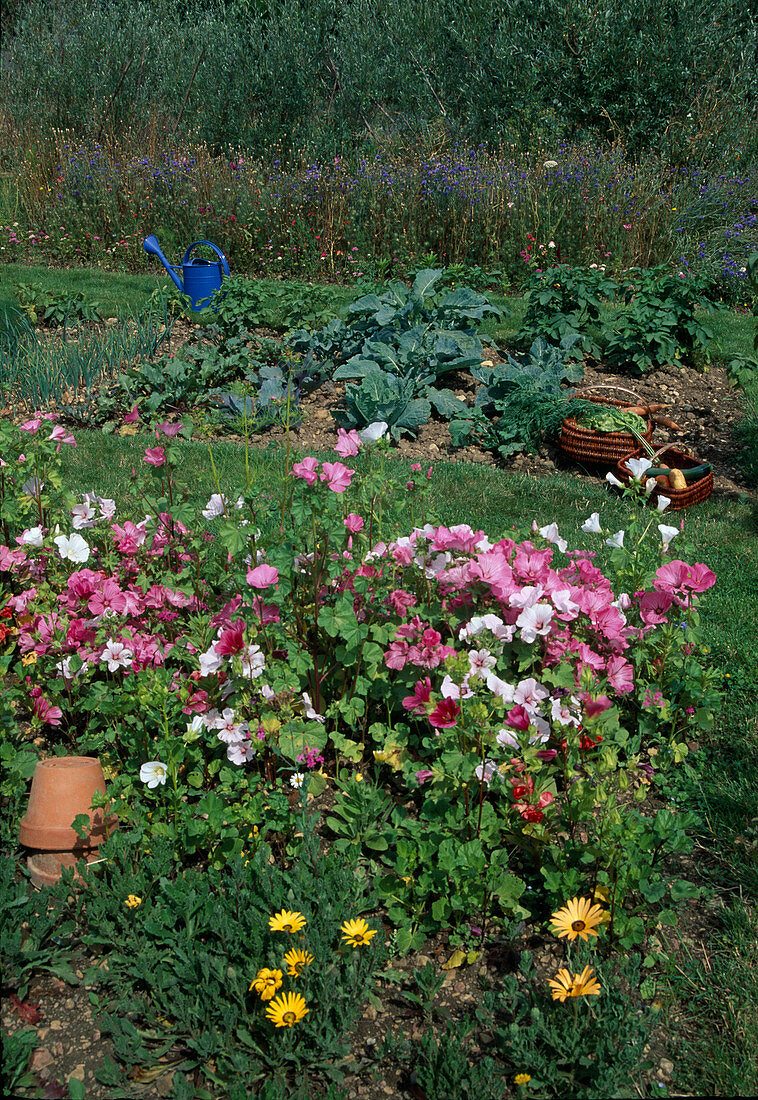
(692,474)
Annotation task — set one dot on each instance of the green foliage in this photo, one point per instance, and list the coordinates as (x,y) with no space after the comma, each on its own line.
(562,301)
(659,322)
(520,401)
(72,373)
(37,936)
(399,344)
(359,817)
(14,325)
(636,68)
(56,310)
(592,1047)
(384,397)
(179,964)
(244,304)
(17,1052)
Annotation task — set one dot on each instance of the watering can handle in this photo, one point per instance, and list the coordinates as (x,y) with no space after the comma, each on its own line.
(217,250)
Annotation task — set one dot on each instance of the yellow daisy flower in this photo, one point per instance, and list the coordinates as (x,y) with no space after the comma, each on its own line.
(296,961)
(286,1010)
(578,917)
(564,985)
(522,1078)
(133,901)
(266,983)
(357,932)
(286,921)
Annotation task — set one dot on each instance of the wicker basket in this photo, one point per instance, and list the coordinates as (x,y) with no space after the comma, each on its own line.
(674,459)
(606,448)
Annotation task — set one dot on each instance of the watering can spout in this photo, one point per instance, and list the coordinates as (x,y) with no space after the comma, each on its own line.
(202,278)
(151,246)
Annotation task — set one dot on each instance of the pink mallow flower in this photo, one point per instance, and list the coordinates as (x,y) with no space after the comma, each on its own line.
(348,443)
(60,435)
(306,470)
(336,476)
(155,456)
(354,523)
(422,694)
(263,576)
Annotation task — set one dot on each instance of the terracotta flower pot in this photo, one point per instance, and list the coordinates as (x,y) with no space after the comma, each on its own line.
(62,788)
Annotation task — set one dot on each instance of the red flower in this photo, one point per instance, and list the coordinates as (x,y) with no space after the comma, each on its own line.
(444,714)
(529,813)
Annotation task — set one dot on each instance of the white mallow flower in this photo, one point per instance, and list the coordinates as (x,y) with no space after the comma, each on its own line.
(507,739)
(216,506)
(638,466)
(107,507)
(667,534)
(481,661)
(501,689)
(227,728)
(240,752)
(616,541)
(550,534)
(592,525)
(153,773)
(543,731)
(72,549)
(487,771)
(561,711)
(117,655)
(32,537)
(309,709)
(210,661)
(450,690)
(613,480)
(195,728)
(663,503)
(529,693)
(563,602)
(650,484)
(534,621)
(374,431)
(490,622)
(253,661)
(83,515)
(63,668)
(527,597)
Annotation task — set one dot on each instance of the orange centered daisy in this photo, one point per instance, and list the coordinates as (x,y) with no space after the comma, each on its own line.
(266,983)
(286,921)
(578,917)
(357,932)
(286,1010)
(565,985)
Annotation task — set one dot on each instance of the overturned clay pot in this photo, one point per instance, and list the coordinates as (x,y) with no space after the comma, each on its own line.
(63,788)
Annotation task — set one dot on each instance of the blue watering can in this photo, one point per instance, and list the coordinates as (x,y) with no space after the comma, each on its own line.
(201,277)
